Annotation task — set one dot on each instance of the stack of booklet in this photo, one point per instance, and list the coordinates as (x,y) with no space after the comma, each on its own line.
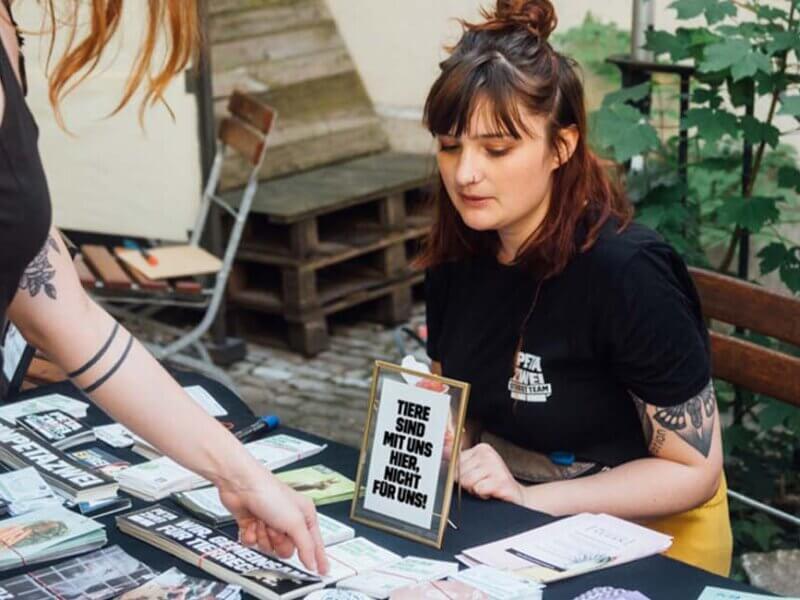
(216,553)
(205,503)
(174,584)
(72,480)
(321,484)
(47,534)
(100,575)
(158,478)
(57,428)
(75,408)
(569,547)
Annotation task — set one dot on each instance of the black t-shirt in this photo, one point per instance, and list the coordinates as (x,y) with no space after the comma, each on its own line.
(25,212)
(622,317)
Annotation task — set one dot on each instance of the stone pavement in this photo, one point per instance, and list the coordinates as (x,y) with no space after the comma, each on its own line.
(326,395)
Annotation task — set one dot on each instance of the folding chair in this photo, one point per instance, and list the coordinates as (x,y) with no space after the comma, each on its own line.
(245,131)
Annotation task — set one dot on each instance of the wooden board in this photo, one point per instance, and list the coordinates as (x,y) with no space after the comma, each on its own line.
(326,189)
(173,261)
(106,267)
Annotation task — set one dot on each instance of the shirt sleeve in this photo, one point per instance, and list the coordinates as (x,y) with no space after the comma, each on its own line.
(436,285)
(655,334)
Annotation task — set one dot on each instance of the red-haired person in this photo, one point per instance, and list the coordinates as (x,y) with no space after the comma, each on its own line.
(580,331)
(40,292)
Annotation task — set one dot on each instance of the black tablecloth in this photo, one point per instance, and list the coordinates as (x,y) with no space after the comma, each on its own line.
(479,521)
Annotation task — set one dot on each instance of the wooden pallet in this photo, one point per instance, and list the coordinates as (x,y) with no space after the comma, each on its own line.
(326,240)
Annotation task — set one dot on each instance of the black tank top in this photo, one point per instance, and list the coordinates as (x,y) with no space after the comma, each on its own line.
(24,198)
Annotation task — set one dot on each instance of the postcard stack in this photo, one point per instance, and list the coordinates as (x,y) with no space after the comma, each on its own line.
(47,534)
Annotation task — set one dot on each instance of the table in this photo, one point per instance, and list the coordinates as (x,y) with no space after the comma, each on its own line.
(479,521)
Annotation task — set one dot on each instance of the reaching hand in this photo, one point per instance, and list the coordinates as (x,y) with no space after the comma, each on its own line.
(483,473)
(269,513)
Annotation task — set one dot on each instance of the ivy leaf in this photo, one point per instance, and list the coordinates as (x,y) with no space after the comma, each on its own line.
(627,94)
(662,42)
(754,62)
(737,55)
(623,129)
(770,13)
(783,40)
(790,271)
(756,131)
(790,105)
(789,177)
(772,257)
(706,95)
(712,124)
(774,414)
(749,213)
(714,10)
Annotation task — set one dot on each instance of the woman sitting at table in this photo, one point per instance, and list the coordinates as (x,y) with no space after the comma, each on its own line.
(580,332)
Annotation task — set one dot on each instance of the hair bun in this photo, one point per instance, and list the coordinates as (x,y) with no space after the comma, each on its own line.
(537,16)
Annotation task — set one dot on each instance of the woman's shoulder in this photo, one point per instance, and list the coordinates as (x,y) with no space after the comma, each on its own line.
(617,248)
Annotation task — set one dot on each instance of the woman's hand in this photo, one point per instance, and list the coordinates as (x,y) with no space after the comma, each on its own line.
(483,473)
(276,518)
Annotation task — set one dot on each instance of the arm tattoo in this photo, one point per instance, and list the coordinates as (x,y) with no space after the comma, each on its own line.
(40,272)
(692,421)
(100,353)
(112,370)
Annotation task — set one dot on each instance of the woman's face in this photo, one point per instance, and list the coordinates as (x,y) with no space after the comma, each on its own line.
(495,181)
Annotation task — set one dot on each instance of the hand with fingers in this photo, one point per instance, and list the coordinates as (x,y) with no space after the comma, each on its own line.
(483,473)
(277,519)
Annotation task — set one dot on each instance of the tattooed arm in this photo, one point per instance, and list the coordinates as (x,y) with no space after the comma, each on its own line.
(54,314)
(683,471)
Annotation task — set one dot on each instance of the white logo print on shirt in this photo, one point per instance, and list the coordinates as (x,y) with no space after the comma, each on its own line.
(528,382)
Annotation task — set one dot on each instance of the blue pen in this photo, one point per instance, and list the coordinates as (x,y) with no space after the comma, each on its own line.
(262,425)
(564,459)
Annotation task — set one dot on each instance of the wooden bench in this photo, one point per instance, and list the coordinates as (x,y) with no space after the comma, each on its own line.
(323,241)
(759,310)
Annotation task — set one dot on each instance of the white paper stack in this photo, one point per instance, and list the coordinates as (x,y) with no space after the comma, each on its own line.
(500,585)
(352,557)
(279,450)
(157,479)
(383,581)
(568,547)
(25,491)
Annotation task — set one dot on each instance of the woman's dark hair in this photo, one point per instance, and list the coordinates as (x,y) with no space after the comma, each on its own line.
(507,63)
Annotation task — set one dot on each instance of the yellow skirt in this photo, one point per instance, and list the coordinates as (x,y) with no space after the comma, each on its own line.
(702,536)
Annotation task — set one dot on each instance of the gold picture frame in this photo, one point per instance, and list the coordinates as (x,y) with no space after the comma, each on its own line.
(387,381)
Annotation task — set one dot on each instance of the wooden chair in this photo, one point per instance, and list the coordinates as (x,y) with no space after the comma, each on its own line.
(743,363)
(245,132)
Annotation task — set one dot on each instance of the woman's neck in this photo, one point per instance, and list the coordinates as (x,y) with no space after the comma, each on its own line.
(515,235)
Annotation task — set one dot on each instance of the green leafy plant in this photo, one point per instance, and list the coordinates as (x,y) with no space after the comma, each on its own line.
(745,88)
(747,55)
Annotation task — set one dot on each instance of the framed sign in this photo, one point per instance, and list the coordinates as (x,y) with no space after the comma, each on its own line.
(409,453)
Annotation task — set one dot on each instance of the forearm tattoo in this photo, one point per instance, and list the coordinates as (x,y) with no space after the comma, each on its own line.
(99,356)
(39,274)
(692,421)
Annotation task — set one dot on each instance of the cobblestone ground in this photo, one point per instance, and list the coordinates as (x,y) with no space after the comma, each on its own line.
(327,394)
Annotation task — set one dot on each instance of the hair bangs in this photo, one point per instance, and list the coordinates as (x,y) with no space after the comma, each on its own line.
(486,89)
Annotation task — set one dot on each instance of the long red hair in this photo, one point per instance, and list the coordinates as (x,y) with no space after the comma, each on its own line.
(507,62)
(173,21)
